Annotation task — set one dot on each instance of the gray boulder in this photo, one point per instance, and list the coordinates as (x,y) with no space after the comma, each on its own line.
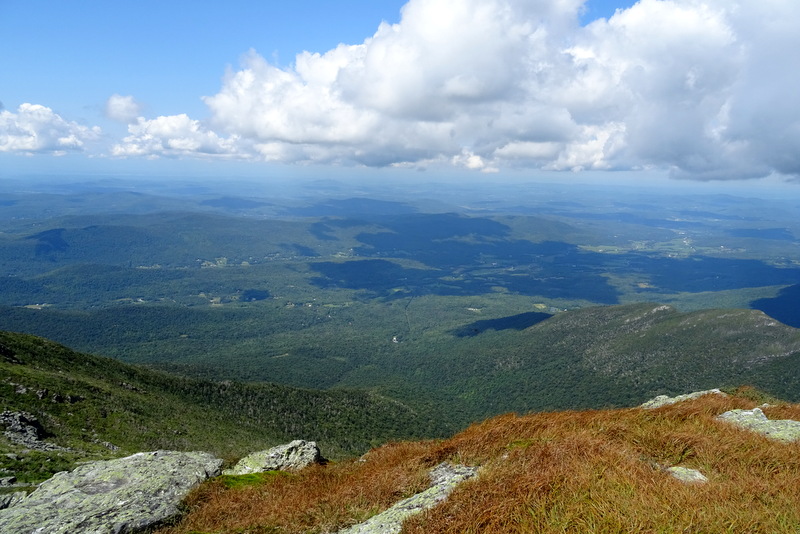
(755,420)
(290,457)
(111,497)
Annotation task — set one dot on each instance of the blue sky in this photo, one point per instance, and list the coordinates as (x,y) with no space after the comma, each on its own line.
(693,89)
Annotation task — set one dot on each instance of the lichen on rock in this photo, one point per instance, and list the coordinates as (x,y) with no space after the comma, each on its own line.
(664,400)
(755,420)
(289,457)
(7,500)
(113,496)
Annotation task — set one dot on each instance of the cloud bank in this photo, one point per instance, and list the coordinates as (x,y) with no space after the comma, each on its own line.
(706,89)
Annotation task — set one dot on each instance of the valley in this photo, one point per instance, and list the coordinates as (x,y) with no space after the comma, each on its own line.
(458,304)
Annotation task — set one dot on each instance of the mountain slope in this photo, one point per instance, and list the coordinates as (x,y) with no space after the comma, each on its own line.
(98,406)
(591,471)
(594,357)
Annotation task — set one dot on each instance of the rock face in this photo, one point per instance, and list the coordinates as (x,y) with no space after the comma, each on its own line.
(290,457)
(663,400)
(755,420)
(444,478)
(8,500)
(24,429)
(111,497)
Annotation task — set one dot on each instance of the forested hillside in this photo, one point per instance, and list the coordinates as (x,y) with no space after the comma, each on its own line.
(89,407)
(484,302)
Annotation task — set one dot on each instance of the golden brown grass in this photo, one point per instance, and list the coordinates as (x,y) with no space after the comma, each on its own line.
(592,471)
(317,499)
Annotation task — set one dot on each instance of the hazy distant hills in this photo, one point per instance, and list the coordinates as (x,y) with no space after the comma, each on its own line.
(358,316)
(471,303)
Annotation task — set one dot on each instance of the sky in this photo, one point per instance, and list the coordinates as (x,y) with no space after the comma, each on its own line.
(698,90)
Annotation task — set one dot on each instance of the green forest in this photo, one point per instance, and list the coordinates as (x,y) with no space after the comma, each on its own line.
(460,311)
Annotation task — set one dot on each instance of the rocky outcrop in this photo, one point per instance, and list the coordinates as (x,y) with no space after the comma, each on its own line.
(755,420)
(290,457)
(444,478)
(24,429)
(111,497)
(664,400)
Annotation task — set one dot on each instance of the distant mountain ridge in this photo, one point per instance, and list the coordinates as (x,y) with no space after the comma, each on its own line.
(610,356)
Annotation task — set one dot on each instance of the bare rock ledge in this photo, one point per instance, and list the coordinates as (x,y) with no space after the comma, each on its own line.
(444,478)
(111,497)
(754,420)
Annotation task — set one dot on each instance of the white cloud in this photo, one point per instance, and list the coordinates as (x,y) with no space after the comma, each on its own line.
(451,75)
(173,136)
(683,62)
(122,108)
(37,129)
(703,88)
(472,161)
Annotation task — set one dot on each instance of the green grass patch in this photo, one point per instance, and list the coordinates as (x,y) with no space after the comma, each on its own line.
(252,479)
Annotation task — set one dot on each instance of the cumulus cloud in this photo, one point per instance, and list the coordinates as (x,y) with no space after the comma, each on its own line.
(450,78)
(704,88)
(174,136)
(122,108)
(38,129)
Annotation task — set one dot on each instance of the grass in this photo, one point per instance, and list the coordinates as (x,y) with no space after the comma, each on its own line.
(317,499)
(561,472)
(250,479)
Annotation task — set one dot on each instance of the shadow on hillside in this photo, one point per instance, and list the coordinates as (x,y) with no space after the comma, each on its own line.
(520,321)
(785,307)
